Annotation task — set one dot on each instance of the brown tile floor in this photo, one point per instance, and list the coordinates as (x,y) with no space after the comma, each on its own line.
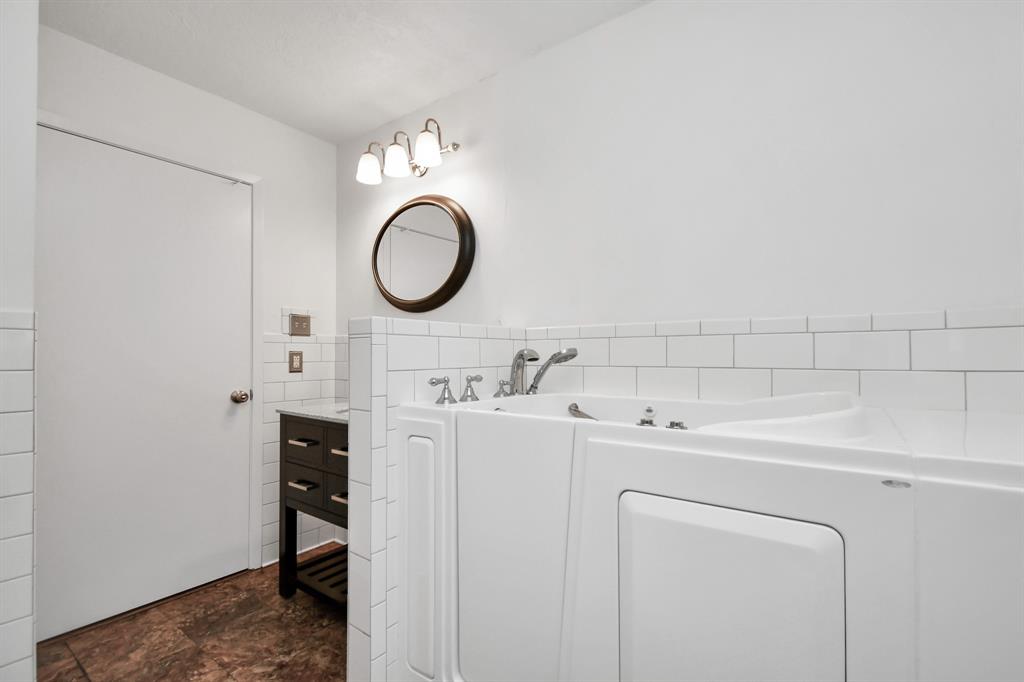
(234,629)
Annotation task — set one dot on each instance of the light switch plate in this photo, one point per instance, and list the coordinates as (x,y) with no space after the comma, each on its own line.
(294,361)
(298,325)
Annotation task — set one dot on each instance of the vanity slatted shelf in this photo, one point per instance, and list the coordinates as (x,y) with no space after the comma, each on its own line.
(313,480)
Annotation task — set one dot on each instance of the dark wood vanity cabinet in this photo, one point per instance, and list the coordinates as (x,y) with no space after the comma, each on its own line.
(314,480)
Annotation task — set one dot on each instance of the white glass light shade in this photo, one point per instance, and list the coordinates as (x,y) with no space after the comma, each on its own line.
(428,150)
(368,170)
(396,161)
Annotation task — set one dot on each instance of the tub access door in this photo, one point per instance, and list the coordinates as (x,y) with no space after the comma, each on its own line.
(709,593)
(513,490)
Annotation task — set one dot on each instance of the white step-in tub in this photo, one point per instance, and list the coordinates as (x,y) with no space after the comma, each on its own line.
(804,537)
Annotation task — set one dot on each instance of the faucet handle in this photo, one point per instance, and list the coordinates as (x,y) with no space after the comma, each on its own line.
(469,395)
(648,418)
(447,398)
(503,387)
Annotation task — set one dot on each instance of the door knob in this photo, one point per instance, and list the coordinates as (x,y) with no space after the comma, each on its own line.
(240,396)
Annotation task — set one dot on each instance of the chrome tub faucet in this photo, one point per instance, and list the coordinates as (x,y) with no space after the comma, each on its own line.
(564,355)
(517,378)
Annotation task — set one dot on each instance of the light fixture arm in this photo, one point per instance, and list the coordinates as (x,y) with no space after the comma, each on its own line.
(408,144)
(417,170)
(453,147)
(369,150)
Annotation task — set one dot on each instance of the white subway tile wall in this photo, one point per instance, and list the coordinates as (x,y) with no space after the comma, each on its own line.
(635,329)
(17,479)
(643,351)
(620,381)
(995,348)
(324,379)
(996,391)
(935,319)
(597,331)
(862,350)
(667,382)
(914,390)
(790,381)
(677,328)
(777,325)
(734,384)
(734,325)
(794,351)
(700,351)
(839,323)
(1006,316)
(875,356)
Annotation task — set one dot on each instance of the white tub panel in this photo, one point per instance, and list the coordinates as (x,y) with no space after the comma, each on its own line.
(971,581)
(778,479)
(420,525)
(513,488)
(708,593)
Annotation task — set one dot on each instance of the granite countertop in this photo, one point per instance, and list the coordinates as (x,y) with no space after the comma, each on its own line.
(330,412)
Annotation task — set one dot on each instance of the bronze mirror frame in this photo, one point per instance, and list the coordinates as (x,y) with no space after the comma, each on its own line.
(463,260)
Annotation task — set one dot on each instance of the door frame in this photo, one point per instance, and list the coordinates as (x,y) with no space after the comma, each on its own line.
(105,134)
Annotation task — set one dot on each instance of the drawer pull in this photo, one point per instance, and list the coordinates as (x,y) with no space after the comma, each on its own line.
(303,442)
(339,499)
(340,453)
(304,486)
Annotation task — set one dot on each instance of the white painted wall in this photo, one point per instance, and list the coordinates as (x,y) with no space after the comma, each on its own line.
(140,107)
(18,161)
(705,159)
(18,31)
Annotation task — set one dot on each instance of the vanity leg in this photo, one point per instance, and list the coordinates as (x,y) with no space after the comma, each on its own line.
(287,566)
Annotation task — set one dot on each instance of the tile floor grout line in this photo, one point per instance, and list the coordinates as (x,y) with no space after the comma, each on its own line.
(81,668)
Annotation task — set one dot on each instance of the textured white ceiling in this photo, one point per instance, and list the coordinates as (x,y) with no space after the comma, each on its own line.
(332,68)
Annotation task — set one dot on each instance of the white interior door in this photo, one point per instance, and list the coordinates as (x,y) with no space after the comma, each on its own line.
(144,295)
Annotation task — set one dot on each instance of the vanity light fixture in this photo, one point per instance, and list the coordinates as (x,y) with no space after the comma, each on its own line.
(398,161)
(368,170)
(428,146)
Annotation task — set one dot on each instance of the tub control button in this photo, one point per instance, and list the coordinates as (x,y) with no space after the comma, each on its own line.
(676,424)
(648,418)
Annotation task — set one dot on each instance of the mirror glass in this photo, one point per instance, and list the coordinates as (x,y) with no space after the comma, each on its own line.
(417,252)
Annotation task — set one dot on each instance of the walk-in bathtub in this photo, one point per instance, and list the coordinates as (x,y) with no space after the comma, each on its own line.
(804,537)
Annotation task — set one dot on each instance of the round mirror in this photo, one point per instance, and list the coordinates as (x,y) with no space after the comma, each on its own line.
(423,253)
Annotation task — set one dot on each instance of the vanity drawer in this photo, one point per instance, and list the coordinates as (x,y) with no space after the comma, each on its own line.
(303,442)
(336,453)
(303,484)
(335,492)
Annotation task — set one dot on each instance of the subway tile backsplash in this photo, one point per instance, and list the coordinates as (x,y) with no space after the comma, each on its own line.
(862,350)
(777,325)
(995,348)
(996,391)
(700,351)
(324,379)
(775,350)
(1006,316)
(17,481)
(938,359)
